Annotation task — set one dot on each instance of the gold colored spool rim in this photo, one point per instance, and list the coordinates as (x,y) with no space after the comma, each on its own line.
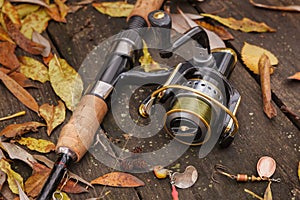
(235,122)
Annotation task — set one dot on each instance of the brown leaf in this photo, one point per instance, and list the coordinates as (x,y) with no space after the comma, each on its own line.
(73,187)
(245,25)
(35,182)
(23,42)
(282,8)
(296,76)
(53,115)
(7,55)
(19,78)
(14,130)
(264,71)
(20,93)
(118,179)
(219,30)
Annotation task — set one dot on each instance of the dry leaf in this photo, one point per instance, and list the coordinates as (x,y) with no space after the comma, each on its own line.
(268,192)
(39,145)
(264,71)
(245,25)
(33,69)
(11,176)
(23,42)
(2,174)
(22,194)
(4,36)
(38,2)
(7,55)
(63,8)
(35,182)
(65,81)
(118,179)
(73,187)
(282,8)
(11,12)
(251,55)
(61,195)
(147,62)
(214,40)
(219,30)
(296,76)
(114,9)
(53,12)
(36,21)
(16,152)
(20,93)
(25,9)
(50,164)
(14,130)
(53,115)
(38,38)
(46,60)
(19,78)
(299,171)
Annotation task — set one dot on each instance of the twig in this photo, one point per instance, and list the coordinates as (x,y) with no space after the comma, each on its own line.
(13,116)
(253,194)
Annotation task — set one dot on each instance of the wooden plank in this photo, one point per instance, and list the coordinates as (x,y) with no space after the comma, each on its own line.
(258,136)
(282,43)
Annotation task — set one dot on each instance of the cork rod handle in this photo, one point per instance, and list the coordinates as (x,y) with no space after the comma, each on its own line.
(78,133)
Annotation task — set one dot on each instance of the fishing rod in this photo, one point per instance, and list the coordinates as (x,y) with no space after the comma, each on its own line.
(78,134)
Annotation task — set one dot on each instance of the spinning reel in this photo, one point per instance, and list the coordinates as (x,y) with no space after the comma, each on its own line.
(200,103)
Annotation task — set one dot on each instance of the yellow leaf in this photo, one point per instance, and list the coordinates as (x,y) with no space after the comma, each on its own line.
(25,9)
(37,21)
(40,145)
(65,81)
(245,25)
(33,69)
(11,12)
(4,36)
(114,9)
(12,176)
(299,170)
(1,3)
(147,62)
(296,76)
(63,8)
(251,55)
(268,192)
(61,195)
(53,115)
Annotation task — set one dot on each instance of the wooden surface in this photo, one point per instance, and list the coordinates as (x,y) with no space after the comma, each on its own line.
(258,136)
